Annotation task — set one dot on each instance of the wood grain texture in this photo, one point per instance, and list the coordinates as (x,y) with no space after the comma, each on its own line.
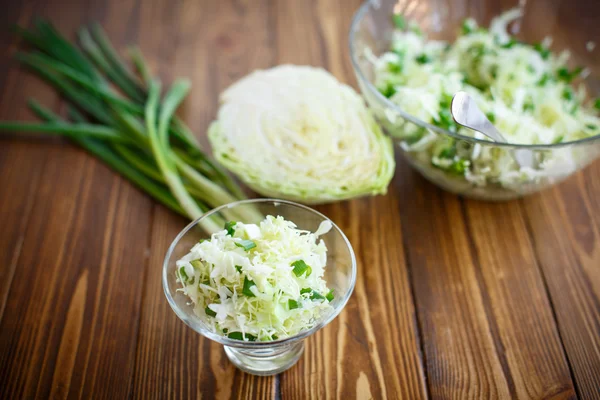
(569,258)
(454,298)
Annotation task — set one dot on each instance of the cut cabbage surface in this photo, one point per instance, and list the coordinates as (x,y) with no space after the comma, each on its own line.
(258,282)
(526,91)
(296,132)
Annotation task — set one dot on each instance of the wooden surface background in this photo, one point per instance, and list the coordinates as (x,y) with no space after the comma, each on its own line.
(454,298)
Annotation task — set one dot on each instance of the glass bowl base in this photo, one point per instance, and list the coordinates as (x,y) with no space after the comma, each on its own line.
(268,361)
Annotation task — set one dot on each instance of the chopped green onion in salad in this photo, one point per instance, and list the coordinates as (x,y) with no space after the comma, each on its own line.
(528,92)
(258,282)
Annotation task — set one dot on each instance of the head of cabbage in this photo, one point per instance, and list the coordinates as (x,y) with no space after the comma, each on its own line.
(296,132)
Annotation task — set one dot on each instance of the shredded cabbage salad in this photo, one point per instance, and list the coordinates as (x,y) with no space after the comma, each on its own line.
(526,91)
(258,282)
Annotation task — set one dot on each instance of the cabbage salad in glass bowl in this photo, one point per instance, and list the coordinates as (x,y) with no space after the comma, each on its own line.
(258,282)
(527,91)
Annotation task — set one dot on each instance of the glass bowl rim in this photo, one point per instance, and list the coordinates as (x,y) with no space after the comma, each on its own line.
(358,16)
(247,344)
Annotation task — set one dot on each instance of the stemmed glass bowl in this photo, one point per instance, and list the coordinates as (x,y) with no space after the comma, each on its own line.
(272,357)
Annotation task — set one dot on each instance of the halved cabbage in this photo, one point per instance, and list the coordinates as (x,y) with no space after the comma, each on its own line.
(296,132)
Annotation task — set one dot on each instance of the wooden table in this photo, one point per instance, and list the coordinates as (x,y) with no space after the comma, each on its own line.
(454,298)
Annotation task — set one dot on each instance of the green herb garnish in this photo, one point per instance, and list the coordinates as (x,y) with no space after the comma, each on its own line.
(388,91)
(330,296)
(300,267)
(238,268)
(240,336)
(293,304)
(210,312)
(247,285)
(544,51)
(423,58)
(399,21)
(246,244)
(229,227)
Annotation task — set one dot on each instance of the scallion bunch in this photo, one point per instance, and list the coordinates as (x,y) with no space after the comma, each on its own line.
(120,117)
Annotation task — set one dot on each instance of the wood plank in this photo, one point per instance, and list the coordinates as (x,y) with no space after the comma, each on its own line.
(565,229)
(518,302)
(462,355)
(371,350)
(358,355)
(214,44)
(21,161)
(67,332)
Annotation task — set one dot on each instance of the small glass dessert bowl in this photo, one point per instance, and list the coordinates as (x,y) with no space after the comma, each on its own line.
(271,356)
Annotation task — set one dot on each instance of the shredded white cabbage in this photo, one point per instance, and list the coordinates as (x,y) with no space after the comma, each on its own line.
(524,89)
(258,282)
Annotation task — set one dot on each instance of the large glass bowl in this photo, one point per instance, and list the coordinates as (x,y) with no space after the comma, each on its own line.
(571,24)
(264,358)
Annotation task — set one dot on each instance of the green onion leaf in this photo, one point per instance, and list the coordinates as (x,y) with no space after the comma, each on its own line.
(388,91)
(423,58)
(399,21)
(544,51)
(543,80)
(305,290)
(448,153)
(566,75)
(597,103)
(247,285)
(558,139)
(330,296)
(491,116)
(300,267)
(567,93)
(182,275)
(246,244)
(236,336)
(591,127)
(293,304)
(238,268)
(210,312)
(229,227)
(316,296)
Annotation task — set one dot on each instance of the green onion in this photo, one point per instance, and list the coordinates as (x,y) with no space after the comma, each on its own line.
(240,336)
(558,139)
(388,91)
(399,21)
(126,124)
(238,268)
(246,244)
(210,312)
(182,274)
(597,103)
(544,51)
(491,116)
(293,304)
(448,153)
(247,285)
(330,296)
(544,79)
(229,228)
(236,335)
(423,58)
(300,267)
(566,75)
(314,295)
